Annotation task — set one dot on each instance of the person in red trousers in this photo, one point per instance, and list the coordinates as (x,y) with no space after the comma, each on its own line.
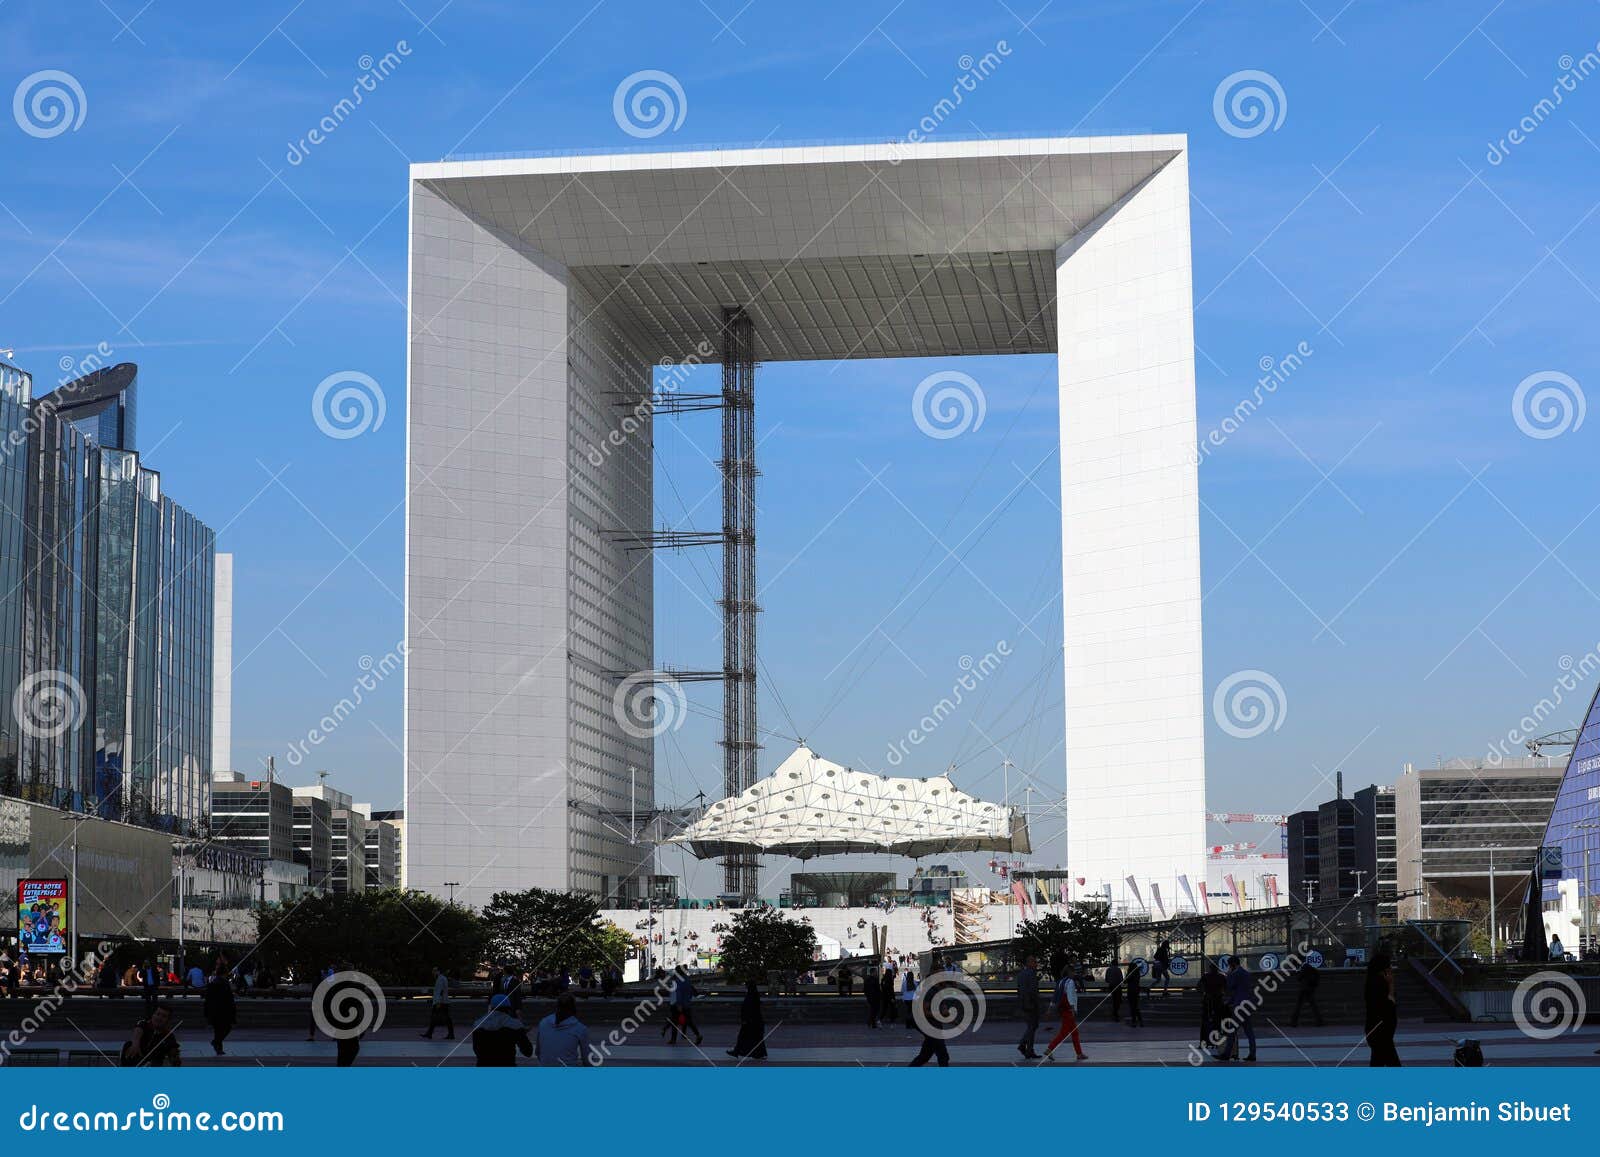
(1067,1001)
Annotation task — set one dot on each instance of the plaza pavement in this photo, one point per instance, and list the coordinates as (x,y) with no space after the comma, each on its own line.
(994,1044)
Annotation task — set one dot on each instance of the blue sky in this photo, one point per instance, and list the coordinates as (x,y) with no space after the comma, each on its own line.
(1382,537)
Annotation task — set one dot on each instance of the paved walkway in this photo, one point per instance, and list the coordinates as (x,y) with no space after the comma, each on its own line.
(1419,1045)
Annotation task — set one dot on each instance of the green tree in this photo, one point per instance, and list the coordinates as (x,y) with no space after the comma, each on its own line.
(1475,912)
(539,928)
(1083,936)
(393,936)
(762,941)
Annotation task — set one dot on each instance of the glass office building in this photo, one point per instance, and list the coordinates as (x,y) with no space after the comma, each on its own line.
(106,613)
(102,406)
(1575,821)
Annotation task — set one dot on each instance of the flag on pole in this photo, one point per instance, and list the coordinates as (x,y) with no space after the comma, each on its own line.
(1238,895)
(1133,886)
(1066,897)
(1021,894)
(1183,882)
(1155,890)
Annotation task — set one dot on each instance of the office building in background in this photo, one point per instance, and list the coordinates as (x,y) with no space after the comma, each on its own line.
(106,604)
(1468,828)
(222,666)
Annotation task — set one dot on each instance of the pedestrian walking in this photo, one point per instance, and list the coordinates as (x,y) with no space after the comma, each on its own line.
(934,1044)
(1306,982)
(1133,977)
(562,1040)
(682,1014)
(908,996)
(220,1010)
(439,1007)
(874,995)
(511,987)
(752,1039)
(1383,1013)
(1067,1004)
(149,981)
(1114,989)
(499,1036)
(1241,997)
(1162,969)
(886,994)
(1028,1006)
(1213,1003)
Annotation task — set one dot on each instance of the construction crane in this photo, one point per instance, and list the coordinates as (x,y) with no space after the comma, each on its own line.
(1554,739)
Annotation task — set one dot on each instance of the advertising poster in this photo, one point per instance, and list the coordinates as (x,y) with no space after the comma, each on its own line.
(42,916)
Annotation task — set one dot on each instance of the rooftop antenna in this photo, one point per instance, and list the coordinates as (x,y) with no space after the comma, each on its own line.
(1338,784)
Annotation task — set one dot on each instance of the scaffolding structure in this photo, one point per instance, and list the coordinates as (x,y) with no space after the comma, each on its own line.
(737,537)
(740,747)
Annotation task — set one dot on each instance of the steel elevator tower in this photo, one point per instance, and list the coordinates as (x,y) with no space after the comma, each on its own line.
(740,747)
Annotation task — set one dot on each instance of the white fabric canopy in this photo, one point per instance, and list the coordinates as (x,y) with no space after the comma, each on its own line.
(813,807)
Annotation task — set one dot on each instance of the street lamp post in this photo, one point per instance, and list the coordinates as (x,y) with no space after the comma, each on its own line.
(452,885)
(1494,926)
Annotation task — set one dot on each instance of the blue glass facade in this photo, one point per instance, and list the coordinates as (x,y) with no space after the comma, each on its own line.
(105,618)
(1578,804)
(103,406)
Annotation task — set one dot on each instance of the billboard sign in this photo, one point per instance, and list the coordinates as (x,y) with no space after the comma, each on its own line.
(42,916)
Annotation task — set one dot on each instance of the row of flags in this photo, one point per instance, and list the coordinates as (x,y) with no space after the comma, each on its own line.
(1029,894)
